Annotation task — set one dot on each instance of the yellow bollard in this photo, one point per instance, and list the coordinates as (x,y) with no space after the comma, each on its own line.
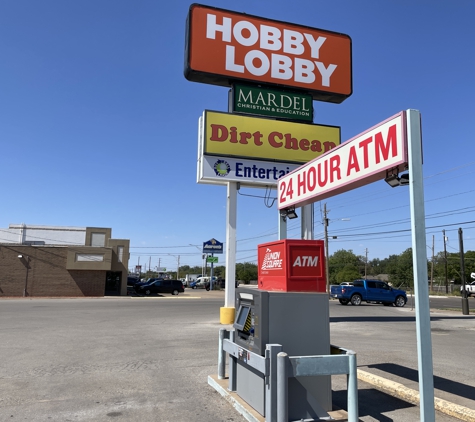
(226,315)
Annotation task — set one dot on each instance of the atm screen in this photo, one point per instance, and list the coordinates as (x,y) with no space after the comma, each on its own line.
(242,317)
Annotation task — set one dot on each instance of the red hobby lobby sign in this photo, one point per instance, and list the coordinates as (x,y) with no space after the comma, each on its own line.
(357,162)
(224,46)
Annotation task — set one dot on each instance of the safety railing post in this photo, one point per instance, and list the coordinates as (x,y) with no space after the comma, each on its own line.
(271,381)
(232,366)
(223,333)
(282,388)
(352,387)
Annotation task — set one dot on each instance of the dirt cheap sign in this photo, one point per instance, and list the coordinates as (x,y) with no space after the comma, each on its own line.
(224,46)
(233,135)
(357,162)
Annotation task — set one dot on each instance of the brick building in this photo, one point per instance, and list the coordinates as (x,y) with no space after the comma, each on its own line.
(51,261)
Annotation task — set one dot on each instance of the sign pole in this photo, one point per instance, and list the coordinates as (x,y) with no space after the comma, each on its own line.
(419,256)
(231,213)
(211,271)
(307,222)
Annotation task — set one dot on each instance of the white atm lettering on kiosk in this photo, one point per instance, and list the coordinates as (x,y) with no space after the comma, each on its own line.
(285,67)
(306,261)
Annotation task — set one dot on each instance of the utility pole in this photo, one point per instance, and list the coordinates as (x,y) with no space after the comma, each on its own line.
(465,309)
(325,225)
(432,265)
(365,262)
(445,259)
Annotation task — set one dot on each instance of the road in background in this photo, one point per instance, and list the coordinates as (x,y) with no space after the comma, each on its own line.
(148,359)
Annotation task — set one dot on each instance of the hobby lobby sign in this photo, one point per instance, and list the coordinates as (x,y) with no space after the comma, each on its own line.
(357,162)
(224,46)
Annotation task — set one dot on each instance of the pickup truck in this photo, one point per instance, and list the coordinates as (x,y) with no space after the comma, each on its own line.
(469,288)
(375,291)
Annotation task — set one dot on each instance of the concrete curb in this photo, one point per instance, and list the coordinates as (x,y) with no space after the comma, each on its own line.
(412,396)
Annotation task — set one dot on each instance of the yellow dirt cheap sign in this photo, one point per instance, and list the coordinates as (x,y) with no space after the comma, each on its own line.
(233,135)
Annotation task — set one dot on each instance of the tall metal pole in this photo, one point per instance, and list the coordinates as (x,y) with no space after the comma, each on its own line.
(432,265)
(365,262)
(445,259)
(419,256)
(231,219)
(465,310)
(325,225)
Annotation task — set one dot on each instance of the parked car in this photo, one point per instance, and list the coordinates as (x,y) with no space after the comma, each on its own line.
(148,281)
(375,291)
(160,286)
(131,280)
(469,288)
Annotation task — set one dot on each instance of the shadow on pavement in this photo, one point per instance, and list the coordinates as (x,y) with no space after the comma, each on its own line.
(395,319)
(443,384)
(371,403)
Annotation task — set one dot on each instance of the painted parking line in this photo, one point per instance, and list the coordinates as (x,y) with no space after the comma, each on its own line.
(165,297)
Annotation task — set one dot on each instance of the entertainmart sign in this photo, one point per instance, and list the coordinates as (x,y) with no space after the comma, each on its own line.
(357,162)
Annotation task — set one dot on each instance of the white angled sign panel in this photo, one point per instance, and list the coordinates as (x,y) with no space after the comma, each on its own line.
(221,170)
(357,162)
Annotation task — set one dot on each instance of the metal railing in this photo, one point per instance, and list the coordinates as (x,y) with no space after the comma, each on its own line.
(277,367)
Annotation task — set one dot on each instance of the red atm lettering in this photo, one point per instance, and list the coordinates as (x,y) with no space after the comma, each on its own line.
(383,148)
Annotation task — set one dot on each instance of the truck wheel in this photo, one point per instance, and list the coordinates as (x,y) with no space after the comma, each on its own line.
(356,300)
(400,302)
(344,301)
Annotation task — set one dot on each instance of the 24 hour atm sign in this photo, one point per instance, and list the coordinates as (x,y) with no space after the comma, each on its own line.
(224,46)
(357,162)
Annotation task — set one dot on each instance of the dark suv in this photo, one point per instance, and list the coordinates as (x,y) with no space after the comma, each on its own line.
(160,286)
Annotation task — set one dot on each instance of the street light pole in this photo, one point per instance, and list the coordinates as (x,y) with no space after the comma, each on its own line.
(325,225)
(202,259)
(445,259)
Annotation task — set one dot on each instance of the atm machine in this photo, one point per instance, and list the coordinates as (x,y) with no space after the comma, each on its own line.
(299,321)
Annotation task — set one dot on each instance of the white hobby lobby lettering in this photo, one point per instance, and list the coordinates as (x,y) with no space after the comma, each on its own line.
(270,40)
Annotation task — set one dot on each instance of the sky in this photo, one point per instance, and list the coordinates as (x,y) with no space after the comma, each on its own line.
(99,127)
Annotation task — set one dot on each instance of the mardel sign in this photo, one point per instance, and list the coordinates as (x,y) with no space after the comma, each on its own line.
(224,46)
(357,162)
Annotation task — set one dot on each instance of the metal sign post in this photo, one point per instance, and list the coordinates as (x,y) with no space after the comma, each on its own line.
(419,257)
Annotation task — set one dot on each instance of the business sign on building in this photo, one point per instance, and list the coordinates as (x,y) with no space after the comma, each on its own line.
(271,103)
(357,162)
(223,46)
(221,170)
(212,246)
(232,135)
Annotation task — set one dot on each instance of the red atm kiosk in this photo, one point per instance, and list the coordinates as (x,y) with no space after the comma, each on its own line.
(292,265)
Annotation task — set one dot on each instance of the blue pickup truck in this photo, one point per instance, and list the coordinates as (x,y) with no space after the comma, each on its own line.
(375,291)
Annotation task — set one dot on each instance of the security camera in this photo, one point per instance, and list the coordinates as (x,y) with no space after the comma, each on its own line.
(20,256)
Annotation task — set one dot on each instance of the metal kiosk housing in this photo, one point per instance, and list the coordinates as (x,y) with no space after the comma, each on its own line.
(299,321)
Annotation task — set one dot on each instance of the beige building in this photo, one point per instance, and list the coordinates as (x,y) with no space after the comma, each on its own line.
(48,261)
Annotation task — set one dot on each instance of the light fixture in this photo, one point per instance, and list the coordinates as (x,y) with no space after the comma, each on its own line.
(20,256)
(404,179)
(394,180)
(288,213)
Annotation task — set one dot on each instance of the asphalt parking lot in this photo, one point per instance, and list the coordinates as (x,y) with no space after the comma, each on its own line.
(130,359)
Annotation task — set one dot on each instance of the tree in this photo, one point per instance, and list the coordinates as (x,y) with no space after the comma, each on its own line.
(400,269)
(246,272)
(348,273)
(343,261)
